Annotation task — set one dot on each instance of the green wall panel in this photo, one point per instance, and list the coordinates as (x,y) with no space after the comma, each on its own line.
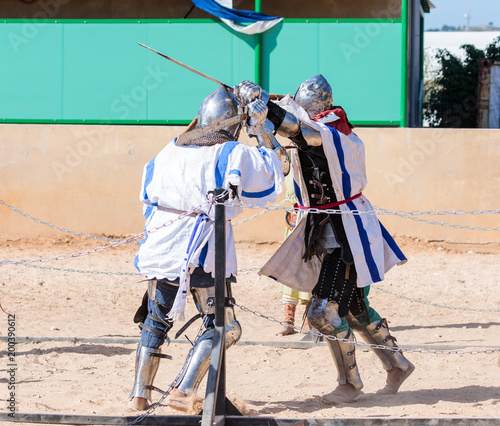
(103,68)
(30,72)
(362,62)
(97,72)
(72,71)
(209,48)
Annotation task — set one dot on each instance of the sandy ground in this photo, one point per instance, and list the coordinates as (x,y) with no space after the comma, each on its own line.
(264,380)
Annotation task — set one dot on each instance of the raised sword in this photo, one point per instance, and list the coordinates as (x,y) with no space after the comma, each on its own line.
(175,61)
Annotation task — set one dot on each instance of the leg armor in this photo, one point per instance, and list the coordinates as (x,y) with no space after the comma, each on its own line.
(198,359)
(154,325)
(151,318)
(323,316)
(374,330)
(377,333)
(146,365)
(344,355)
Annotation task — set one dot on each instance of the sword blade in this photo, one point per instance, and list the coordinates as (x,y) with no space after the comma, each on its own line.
(175,61)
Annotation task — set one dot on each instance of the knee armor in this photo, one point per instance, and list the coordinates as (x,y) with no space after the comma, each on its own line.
(323,316)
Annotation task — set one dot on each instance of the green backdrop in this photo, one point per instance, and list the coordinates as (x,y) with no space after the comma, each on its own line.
(75,71)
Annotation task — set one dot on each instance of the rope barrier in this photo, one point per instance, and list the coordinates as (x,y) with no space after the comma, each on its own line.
(50,225)
(275,207)
(266,209)
(79,271)
(263,211)
(116,243)
(437,305)
(381,211)
(135,274)
(112,245)
(317,334)
(378,210)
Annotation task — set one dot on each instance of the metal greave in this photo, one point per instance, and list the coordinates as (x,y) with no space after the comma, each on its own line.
(323,316)
(377,333)
(146,366)
(198,359)
(344,355)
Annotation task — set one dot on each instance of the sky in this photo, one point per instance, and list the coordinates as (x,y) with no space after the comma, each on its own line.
(451,12)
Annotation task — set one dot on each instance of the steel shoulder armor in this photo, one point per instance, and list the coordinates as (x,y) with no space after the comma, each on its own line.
(289,126)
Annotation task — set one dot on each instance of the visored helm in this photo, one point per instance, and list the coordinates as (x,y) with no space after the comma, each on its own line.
(219,105)
(314,95)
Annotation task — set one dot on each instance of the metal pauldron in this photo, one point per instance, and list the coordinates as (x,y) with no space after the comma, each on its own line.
(291,127)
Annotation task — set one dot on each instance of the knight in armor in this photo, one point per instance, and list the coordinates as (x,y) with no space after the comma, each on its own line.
(335,256)
(177,255)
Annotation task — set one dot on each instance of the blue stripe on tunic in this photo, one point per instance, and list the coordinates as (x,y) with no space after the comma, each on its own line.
(365,242)
(221,166)
(148,212)
(192,244)
(203,255)
(391,243)
(264,152)
(346,186)
(298,194)
(150,168)
(260,194)
(346,179)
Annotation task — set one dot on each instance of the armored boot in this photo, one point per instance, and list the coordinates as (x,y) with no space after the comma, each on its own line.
(397,366)
(323,316)
(146,366)
(289,309)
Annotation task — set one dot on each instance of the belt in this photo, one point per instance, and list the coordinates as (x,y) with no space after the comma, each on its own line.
(331,205)
(175,211)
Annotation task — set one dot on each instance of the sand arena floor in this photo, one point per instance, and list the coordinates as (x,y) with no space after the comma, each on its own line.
(79,377)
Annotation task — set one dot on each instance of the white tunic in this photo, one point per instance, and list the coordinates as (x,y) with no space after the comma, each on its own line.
(179,178)
(373,249)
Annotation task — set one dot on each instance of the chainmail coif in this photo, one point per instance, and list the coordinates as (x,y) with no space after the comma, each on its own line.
(214,138)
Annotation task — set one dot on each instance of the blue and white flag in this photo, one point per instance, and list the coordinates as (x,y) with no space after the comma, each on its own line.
(223,9)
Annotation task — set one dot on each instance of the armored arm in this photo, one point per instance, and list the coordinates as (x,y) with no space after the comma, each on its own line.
(289,126)
(284,122)
(261,128)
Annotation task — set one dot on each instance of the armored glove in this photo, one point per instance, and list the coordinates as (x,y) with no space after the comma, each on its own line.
(257,119)
(246,92)
(260,127)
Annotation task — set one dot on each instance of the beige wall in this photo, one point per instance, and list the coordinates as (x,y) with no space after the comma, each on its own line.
(87,179)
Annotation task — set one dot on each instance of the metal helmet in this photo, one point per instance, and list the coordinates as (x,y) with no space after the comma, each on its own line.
(219,105)
(314,95)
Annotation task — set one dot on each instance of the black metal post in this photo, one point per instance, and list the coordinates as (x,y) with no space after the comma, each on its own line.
(215,396)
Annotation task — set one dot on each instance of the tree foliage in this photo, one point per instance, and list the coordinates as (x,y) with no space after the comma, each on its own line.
(452,99)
